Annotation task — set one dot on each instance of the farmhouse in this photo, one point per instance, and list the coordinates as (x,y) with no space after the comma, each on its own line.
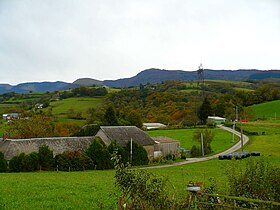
(124,134)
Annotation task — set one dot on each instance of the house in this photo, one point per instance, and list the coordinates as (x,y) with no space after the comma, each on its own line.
(216,120)
(166,146)
(149,126)
(124,134)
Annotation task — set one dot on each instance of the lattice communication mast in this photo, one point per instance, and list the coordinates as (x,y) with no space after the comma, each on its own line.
(200,78)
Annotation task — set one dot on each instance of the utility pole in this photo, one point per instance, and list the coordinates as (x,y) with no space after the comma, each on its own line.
(131,150)
(202,146)
(241,136)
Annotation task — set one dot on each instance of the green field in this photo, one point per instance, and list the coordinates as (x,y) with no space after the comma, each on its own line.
(222,139)
(269,110)
(77,104)
(95,189)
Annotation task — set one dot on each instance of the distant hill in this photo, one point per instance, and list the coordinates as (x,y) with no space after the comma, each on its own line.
(36,87)
(159,75)
(147,76)
(88,82)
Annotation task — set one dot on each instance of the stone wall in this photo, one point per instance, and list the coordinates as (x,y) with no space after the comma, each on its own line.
(13,147)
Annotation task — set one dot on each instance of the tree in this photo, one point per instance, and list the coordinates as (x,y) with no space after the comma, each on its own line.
(3,163)
(110,117)
(135,119)
(99,154)
(205,110)
(38,125)
(139,154)
(207,139)
(46,159)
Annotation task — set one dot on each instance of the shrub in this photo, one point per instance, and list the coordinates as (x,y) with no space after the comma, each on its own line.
(258,180)
(31,162)
(16,163)
(142,189)
(119,150)
(73,161)
(195,151)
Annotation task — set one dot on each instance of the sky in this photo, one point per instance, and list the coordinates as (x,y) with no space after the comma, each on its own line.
(63,40)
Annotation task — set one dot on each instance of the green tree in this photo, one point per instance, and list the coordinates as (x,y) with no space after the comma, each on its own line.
(3,163)
(36,126)
(99,154)
(110,117)
(139,154)
(205,110)
(135,119)
(46,158)
(207,139)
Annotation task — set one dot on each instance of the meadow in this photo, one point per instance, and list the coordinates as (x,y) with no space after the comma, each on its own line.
(76,104)
(222,139)
(95,189)
(269,110)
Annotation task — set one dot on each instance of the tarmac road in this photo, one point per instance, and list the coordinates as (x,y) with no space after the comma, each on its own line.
(234,148)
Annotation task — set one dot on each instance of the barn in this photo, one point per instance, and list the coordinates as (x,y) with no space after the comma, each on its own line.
(124,134)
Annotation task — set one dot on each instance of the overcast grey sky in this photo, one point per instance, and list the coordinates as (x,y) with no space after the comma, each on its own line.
(63,40)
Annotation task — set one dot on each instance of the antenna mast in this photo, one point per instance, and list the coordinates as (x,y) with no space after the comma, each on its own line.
(200,78)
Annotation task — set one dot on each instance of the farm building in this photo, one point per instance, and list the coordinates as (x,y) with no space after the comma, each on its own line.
(123,134)
(216,120)
(149,126)
(14,147)
(165,146)
(9,116)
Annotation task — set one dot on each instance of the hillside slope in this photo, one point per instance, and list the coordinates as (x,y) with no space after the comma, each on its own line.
(268,110)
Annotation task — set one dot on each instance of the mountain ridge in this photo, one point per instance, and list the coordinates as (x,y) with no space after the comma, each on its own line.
(152,75)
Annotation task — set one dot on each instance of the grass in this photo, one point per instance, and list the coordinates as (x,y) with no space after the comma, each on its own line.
(267,110)
(95,189)
(52,190)
(222,139)
(78,104)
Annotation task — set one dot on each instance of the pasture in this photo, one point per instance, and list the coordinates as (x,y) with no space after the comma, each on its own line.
(76,104)
(222,139)
(95,189)
(269,110)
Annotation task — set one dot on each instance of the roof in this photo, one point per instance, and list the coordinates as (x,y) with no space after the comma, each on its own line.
(164,139)
(216,118)
(124,134)
(153,125)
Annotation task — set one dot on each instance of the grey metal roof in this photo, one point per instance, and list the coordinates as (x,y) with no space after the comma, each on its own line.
(123,134)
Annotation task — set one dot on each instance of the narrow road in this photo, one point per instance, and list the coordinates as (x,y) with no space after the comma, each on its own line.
(235,147)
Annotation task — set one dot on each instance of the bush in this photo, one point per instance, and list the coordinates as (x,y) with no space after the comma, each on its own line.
(73,161)
(142,190)
(195,151)
(31,162)
(258,180)
(119,150)
(16,163)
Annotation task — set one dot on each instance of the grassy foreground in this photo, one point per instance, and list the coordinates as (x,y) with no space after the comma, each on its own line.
(95,189)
